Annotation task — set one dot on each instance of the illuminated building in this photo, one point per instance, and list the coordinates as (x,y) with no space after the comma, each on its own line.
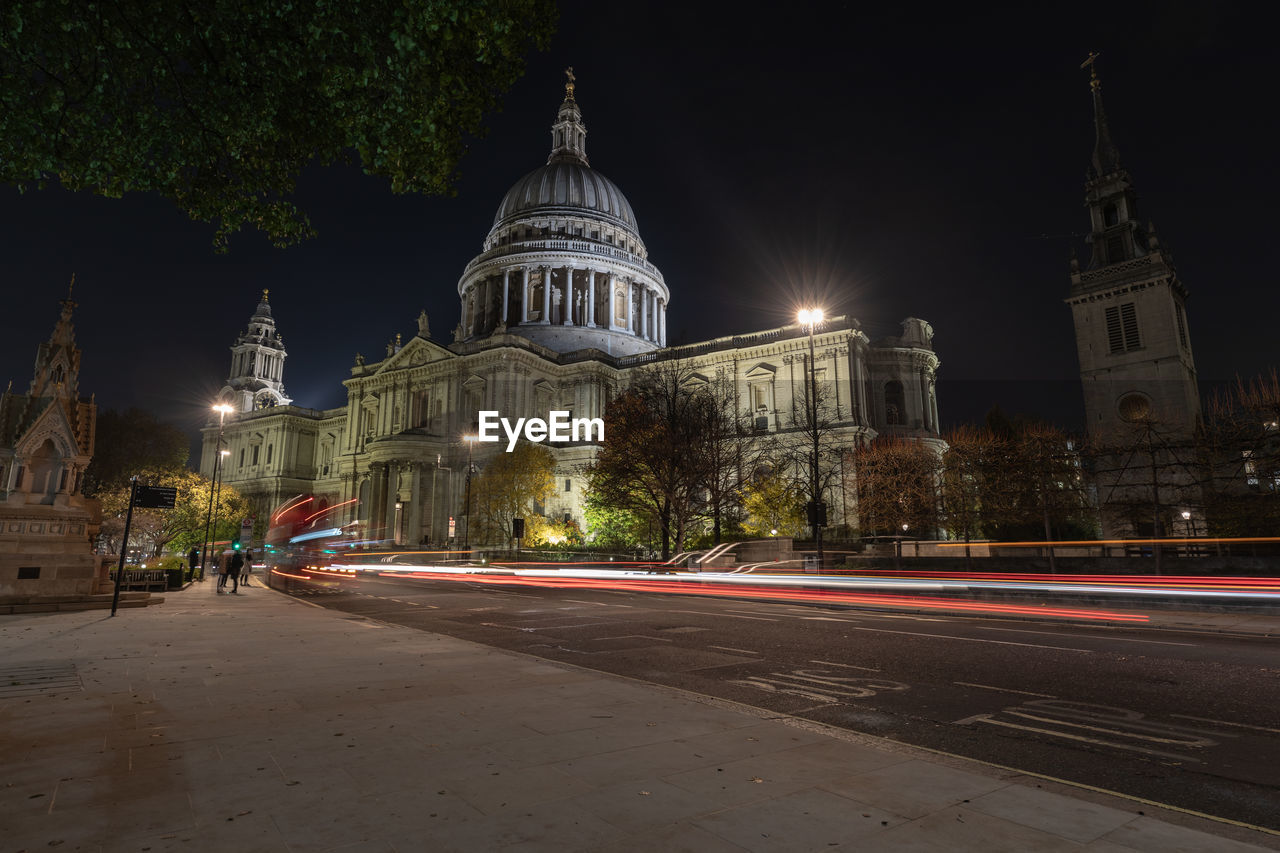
(558,310)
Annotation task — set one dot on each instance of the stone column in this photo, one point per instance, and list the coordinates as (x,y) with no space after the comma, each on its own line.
(524,311)
(568,295)
(546,295)
(631,320)
(506,287)
(377,494)
(413,530)
(662,322)
(392,491)
(644,312)
(591,298)
(613,289)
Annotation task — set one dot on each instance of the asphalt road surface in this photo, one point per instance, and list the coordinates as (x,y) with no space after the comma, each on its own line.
(1189,720)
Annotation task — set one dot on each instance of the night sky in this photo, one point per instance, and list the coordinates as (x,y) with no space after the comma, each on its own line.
(890,163)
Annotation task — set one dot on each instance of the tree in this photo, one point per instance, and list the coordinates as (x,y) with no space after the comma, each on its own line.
(1240,448)
(730,452)
(652,461)
(218,106)
(966,467)
(773,502)
(810,448)
(615,527)
(509,487)
(897,484)
(179,528)
(125,444)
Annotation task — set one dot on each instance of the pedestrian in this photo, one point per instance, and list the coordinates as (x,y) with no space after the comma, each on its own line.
(248,567)
(237,563)
(193,560)
(220,569)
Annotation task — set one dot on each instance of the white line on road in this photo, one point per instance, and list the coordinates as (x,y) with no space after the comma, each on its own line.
(1091,636)
(727,649)
(984,718)
(729,615)
(825,619)
(630,637)
(1005,689)
(1225,723)
(847,665)
(970,639)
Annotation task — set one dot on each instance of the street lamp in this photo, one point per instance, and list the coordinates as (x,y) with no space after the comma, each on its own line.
(223,410)
(1189,530)
(817,509)
(471,443)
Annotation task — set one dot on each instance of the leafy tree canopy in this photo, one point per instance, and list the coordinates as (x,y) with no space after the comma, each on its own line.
(218,105)
(126,444)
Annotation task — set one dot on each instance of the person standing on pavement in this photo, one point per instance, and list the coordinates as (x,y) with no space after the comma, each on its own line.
(193,560)
(237,563)
(248,566)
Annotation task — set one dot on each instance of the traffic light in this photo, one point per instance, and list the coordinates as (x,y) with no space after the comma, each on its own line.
(235,544)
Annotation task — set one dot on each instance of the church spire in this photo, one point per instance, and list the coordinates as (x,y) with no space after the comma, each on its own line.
(569,134)
(1106,157)
(57,370)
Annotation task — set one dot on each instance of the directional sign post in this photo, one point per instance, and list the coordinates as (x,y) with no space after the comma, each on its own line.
(146,497)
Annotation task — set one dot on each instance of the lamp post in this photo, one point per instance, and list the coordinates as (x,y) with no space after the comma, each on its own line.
(222,409)
(811,317)
(1189,529)
(900,538)
(471,443)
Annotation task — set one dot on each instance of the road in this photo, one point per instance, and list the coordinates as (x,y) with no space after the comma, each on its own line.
(1188,720)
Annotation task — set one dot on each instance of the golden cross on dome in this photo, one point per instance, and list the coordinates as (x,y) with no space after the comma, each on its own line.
(568,86)
(264,294)
(1092,64)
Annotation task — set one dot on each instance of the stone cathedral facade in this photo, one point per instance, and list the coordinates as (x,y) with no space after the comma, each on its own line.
(557,311)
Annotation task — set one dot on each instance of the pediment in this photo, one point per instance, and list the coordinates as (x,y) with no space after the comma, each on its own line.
(417,352)
(696,380)
(763,370)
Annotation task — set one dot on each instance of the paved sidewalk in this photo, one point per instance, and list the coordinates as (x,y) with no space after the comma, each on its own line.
(255,722)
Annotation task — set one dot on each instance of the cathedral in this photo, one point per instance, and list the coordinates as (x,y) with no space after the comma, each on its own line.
(556,313)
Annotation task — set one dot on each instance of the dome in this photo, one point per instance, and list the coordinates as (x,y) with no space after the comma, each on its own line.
(567,184)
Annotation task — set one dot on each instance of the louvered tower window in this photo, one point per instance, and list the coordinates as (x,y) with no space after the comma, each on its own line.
(1122,328)
(1182,325)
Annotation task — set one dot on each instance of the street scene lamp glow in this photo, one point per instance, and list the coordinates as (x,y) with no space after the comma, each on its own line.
(810,316)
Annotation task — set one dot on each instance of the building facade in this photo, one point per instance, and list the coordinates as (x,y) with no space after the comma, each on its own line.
(1133,338)
(557,312)
(47,526)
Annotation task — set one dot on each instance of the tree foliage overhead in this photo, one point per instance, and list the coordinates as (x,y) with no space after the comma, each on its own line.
(179,528)
(218,105)
(126,444)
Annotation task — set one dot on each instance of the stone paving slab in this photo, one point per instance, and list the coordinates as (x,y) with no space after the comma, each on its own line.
(260,723)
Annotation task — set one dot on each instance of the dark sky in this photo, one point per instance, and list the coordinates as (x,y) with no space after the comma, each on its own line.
(894,163)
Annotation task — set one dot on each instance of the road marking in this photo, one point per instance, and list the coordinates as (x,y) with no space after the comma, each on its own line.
(819,685)
(727,649)
(729,615)
(631,637)
(1225,723)
(971,639)
(986,718)
(849,665)
(825,619)
(1091,636)
(1005,689)
(731,610)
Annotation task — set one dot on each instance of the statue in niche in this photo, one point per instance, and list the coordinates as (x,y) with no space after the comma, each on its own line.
(424,326)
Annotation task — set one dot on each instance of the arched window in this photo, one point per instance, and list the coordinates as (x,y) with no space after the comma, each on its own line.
(894,402)
(1110,215)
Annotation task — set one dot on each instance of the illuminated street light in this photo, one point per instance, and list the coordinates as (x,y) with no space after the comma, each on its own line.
(817,508)
(223,410)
